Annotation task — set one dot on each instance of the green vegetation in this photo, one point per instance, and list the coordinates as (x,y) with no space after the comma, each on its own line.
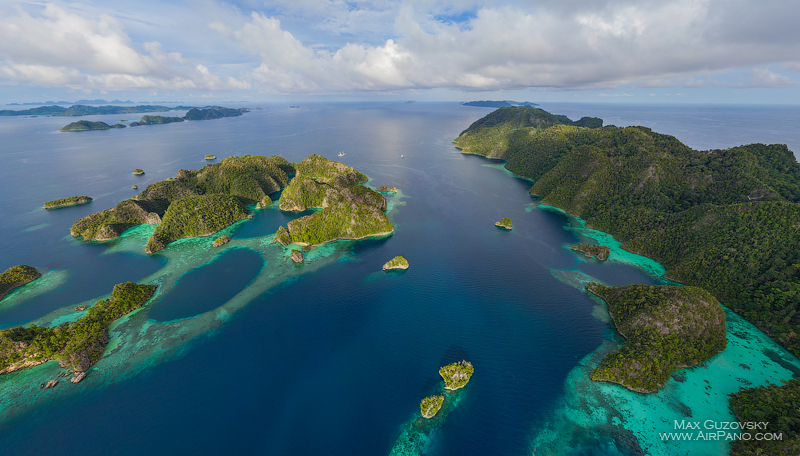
(665,327)
(504,222)
(64,202)
(397,262)
(16,276)
(344,220)
(724,220)
(282,236)
(78,344)
(199,215)
(387,189)
(138,171)
(600,252)
(247,178)
(456,375)
(210,157)
(431,405)
(776,405)
(220,241)
(134,186)
(320,182)
(265,201)
(154,120)
(85,125)
(214,112)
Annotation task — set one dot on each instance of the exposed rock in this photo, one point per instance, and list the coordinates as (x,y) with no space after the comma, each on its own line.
(600,252)
(80,308)
(51,383)
(78,377)
(297,256)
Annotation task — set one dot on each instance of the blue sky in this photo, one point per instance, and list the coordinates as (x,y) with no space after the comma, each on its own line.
(634,51)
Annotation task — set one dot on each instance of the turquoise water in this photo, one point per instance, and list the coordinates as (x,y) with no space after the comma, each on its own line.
(241,349)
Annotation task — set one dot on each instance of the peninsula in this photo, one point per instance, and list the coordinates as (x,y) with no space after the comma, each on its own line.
(456,375)
(600,252)
(66,202)
(666,328)
(16,276)
(78,344)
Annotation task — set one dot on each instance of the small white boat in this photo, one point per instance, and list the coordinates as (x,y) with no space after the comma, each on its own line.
(402,156)
(341,154)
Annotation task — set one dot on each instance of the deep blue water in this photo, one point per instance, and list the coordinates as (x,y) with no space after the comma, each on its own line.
(334,361)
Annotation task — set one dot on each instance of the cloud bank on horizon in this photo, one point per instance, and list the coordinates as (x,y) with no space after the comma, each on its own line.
(322,47)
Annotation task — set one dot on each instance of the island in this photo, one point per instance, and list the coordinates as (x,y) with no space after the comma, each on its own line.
(214,112)
(497,104)
(220,241)
(600,252)
(387,189)
(431,405)
(85,125)
(297,256)
(397,262)
(504,223)
(456,375)
(666,328)
(66,202)
(265,201)
(155,120)
(83,110)
(16,276)
(348,210)
(78,344)
(135,187)
(210,157)
(138,171)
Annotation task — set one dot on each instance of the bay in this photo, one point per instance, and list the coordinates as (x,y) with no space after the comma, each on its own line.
(331,357)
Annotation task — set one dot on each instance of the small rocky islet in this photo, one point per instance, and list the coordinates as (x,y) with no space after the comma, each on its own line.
(504,223)
(397,262)
(601,252)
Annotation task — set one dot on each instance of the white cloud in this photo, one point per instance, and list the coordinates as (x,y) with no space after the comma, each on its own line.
(59,47)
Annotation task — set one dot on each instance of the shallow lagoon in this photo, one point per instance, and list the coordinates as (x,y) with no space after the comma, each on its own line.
(334,356)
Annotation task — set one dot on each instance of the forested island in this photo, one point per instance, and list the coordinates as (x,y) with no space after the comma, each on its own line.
(16,276)
(78,344)
(456,375)
(665,327)
(66,202)
(431,405)
(86,125)
(397,262)
(83,110)
(724,220)
(202,202)
(504,223)
(155,120)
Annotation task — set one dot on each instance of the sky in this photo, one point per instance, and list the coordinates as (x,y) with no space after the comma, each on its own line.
(631,51)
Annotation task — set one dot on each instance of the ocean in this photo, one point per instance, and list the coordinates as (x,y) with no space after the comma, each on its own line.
(241,352)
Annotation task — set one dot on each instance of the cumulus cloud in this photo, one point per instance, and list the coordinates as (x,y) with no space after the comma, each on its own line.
(573,44)
(59,47)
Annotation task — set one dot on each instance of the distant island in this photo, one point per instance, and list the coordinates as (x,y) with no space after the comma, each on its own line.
(213,112)
(155,120)
(666,327)
(505,223)
(456,375)
(210,157)
(16,276)
(78,344)
(600,252)
(83,102)
(66,202)
(497,104)
(138,171)
(86,125)
(83,110)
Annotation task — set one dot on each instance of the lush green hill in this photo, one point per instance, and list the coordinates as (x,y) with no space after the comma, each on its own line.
(78,344)
(665,327)
(154,120)
(66,202)
(86,125)
(725,220)
(214,112)
(773,404)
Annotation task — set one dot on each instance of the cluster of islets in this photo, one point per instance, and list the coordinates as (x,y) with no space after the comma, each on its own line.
(455,376)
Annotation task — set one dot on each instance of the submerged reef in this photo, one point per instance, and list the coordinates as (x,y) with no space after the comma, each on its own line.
(666,328)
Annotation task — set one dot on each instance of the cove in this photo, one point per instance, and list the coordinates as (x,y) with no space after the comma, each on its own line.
(208,286)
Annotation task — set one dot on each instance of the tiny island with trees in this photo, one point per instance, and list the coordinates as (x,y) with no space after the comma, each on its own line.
(66,202)
(601,252)
(397,262)
(504,223)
